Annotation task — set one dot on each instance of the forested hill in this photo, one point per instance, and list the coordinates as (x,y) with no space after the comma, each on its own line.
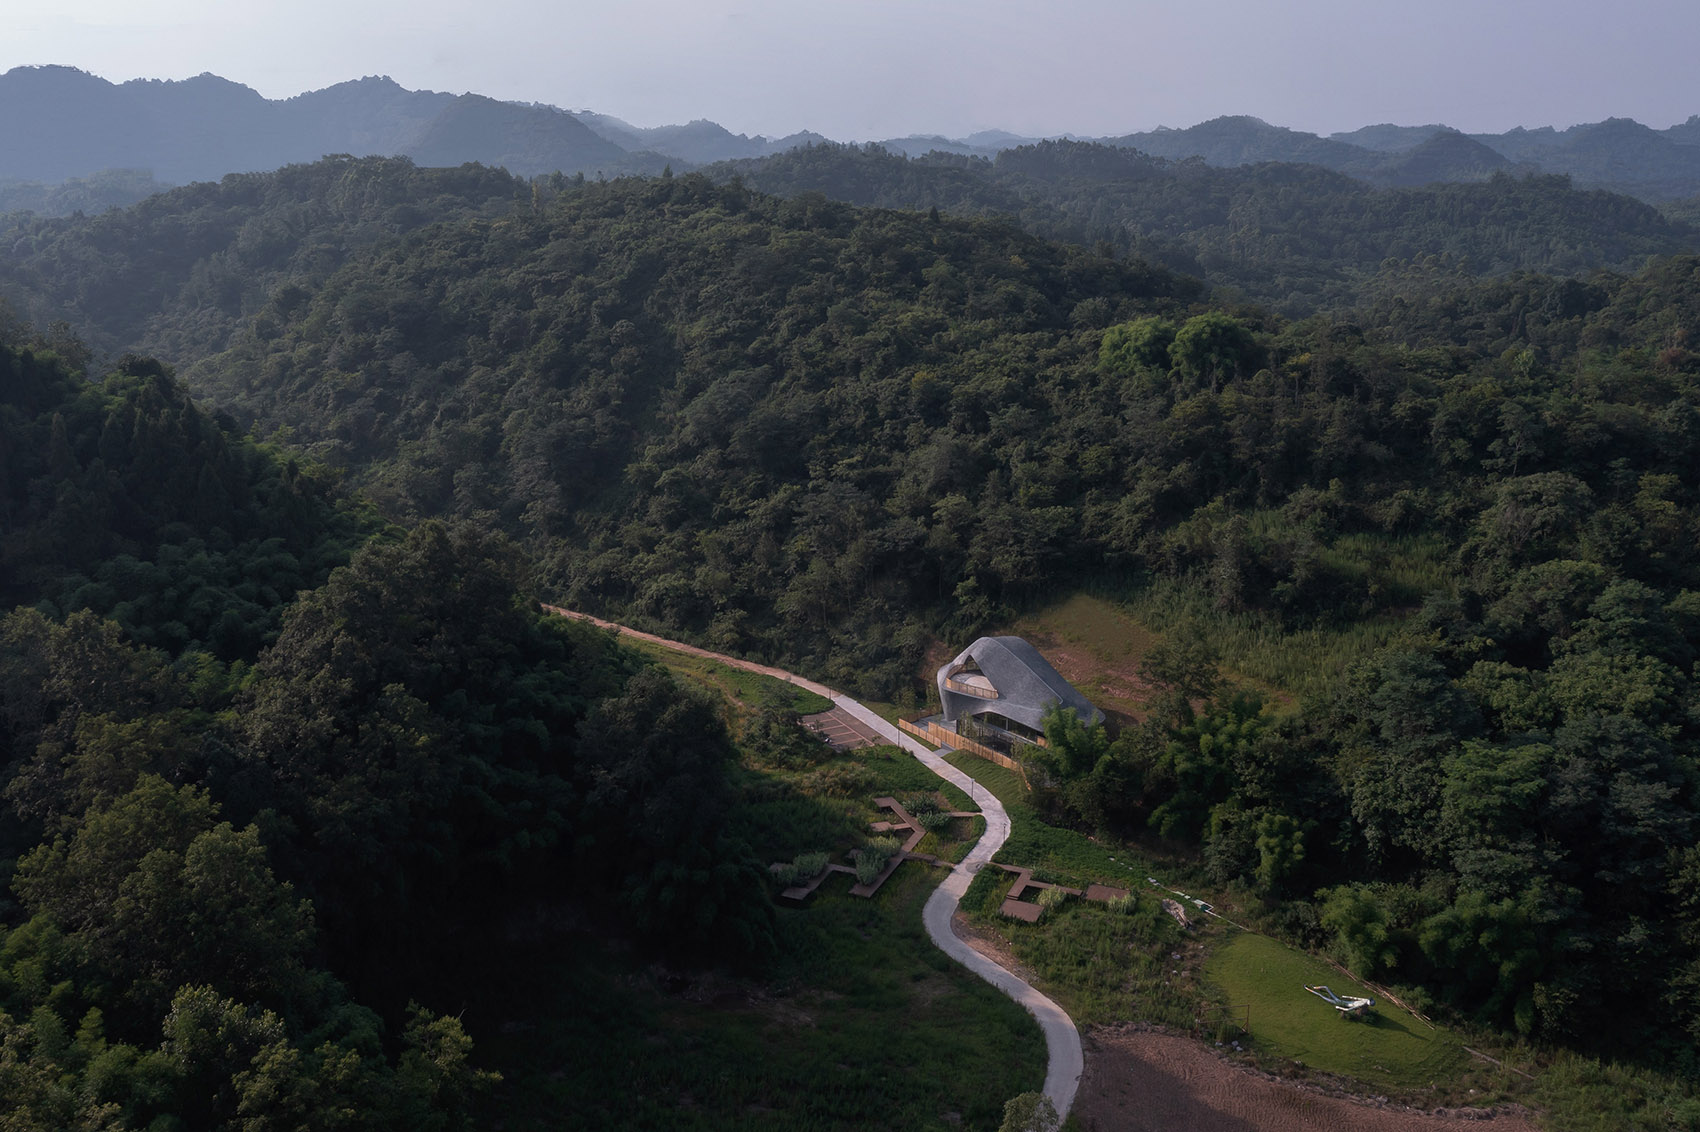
(1295,237)
(1619,154)
(58,123)
(827,435)
(301,781)
(683,394)
(113,188)
(125,499)
(174,274)
(833,435)
(788,426)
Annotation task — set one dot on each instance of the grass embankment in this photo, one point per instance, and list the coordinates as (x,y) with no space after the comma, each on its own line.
(827,806)
(1390,1049)
(743,689)
(860,1023)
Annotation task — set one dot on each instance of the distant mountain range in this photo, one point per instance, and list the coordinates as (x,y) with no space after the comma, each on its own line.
(58,124)
(1617,154)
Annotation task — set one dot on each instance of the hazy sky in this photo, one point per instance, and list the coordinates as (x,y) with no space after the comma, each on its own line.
(864,69)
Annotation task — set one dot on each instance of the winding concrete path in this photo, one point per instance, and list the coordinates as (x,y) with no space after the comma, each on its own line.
(1062,1040)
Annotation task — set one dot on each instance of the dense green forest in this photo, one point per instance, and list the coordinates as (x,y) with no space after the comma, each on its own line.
(274,775)
(113,188)
(171,276)
(831,436)
(1296,238)
(810,433)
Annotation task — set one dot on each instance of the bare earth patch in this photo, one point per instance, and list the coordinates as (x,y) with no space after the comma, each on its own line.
(1139,1079)
(990,944)
(1111,681)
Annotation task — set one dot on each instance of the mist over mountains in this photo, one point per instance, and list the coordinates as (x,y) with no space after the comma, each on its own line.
(59,123)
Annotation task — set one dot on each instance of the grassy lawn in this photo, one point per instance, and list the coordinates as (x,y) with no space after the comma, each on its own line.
(1392,1049)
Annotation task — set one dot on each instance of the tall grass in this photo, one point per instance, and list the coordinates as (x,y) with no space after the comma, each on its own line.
(1396,571)
(1579,1094)
(1103,963)
(898,773)
(1303,662)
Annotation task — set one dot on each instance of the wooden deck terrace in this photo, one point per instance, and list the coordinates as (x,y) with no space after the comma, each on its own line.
(1028,912)
(913,835)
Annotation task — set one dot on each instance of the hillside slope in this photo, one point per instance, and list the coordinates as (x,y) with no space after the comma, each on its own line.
(1296,237)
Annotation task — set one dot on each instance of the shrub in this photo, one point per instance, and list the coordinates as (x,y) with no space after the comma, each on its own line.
(1029,1112)
(871,858)
(920,802)
(1052,898)
(808,864)
(933,822)
(803,867)
(837,780)
(1123,905)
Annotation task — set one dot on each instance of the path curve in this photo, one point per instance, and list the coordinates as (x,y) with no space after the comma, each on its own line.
(1062,1040)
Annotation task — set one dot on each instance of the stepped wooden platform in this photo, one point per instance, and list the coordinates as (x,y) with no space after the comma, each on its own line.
(913,835)
(1029,912)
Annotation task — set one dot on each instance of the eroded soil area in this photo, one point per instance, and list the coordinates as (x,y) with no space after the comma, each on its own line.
(1140,1079)
(990,944)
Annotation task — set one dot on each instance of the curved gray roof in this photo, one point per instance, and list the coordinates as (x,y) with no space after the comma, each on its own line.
(1026,684)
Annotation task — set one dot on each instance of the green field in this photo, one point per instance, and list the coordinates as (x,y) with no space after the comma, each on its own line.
(1392,1049)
